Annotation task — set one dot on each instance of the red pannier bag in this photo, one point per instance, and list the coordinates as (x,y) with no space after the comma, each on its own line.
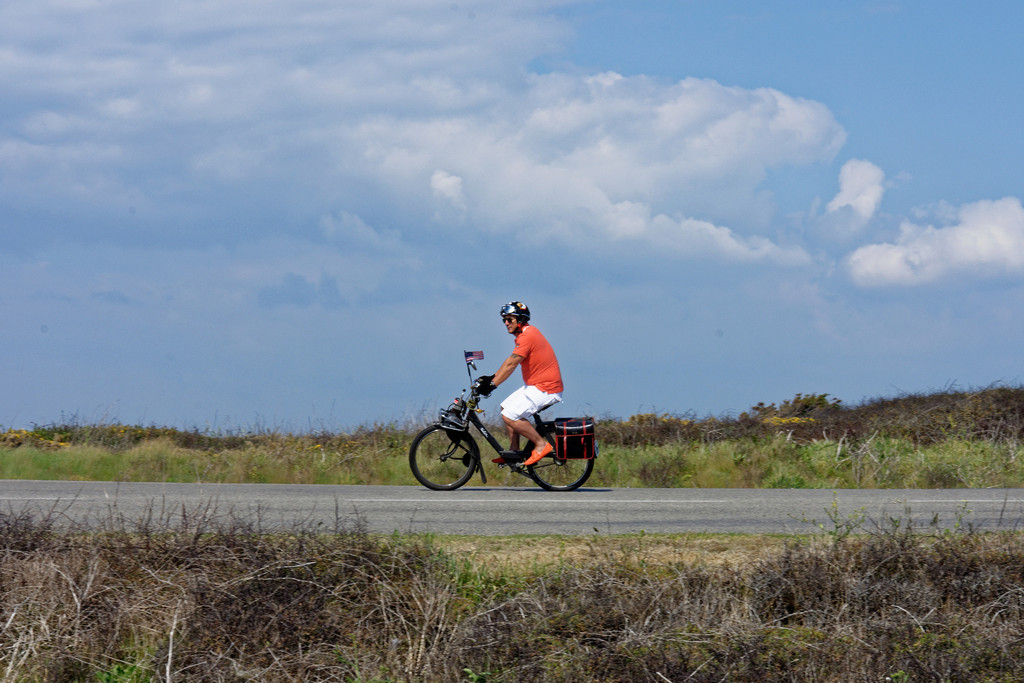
(574,438)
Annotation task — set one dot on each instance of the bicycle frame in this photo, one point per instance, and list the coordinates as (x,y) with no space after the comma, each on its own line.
(473,418)
(428,456)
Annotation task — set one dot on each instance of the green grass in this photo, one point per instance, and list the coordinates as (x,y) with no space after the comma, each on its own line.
(778,463)
(741,463)
(948,439)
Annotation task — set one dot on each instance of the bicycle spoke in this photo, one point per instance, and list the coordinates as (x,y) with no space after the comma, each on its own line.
(561,475)
(442,460)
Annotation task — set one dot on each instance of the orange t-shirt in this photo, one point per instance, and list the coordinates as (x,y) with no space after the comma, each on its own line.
(539,365)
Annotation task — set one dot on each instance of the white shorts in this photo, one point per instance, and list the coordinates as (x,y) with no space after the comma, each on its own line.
(525,401)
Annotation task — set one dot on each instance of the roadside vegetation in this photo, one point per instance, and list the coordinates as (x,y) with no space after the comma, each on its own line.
(207,597)
(942,439)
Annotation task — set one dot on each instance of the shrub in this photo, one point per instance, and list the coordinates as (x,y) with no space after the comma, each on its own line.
(940,439)
(212,598)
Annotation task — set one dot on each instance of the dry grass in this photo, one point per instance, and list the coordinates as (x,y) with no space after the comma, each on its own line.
(208,597)
(537,554)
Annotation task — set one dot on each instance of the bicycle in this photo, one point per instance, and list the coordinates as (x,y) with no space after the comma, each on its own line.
(444,456)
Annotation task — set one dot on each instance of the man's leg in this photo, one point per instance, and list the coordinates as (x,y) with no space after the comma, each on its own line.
(517,428)
(516,412)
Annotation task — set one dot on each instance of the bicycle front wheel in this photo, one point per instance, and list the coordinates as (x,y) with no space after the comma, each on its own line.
(558,474)
(443,459)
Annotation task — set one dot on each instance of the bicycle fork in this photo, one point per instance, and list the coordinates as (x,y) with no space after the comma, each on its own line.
(490,439)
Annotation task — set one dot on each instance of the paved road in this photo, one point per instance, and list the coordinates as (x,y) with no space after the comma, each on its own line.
(491,511)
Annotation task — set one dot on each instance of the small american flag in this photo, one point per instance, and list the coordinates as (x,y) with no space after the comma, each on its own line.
(474,355)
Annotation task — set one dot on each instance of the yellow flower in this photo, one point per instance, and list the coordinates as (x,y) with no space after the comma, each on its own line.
(776,421)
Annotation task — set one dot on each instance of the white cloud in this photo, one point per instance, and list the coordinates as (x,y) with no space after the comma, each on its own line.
(355,167)
(448,187)
(988,240)
(602,157)
(352,106)
(860,188)
(634,135)
(701,238)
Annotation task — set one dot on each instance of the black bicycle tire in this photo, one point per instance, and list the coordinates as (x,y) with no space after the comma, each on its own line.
(472,452)
(550,461)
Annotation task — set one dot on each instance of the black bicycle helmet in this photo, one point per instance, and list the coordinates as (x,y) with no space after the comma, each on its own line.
(516,308)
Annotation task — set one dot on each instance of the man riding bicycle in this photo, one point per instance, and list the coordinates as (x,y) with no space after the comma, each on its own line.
(542,381)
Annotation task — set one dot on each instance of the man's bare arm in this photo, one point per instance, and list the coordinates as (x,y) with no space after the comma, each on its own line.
(506,369)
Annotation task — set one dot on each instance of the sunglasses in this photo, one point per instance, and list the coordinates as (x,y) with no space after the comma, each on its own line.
(508,319)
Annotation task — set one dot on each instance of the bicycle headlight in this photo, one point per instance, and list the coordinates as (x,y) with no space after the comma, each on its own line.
(451,418)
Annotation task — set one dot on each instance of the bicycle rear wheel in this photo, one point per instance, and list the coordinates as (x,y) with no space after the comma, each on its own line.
(443,459)
(558,474)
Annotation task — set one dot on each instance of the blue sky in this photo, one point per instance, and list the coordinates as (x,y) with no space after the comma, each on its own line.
(297,215)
